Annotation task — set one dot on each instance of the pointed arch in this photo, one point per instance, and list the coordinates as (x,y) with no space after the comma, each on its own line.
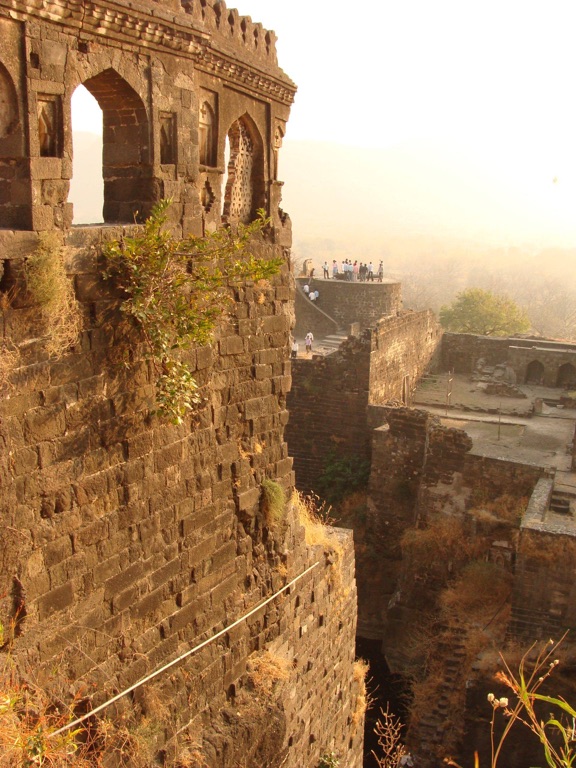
(126,155)
(566,376)
(8,104)
(534,373)
(244,192)
(207,135)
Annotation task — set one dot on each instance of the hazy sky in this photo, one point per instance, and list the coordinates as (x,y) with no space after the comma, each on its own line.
(493,81)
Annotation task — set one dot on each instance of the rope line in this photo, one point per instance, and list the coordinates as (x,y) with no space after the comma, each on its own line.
(170,664)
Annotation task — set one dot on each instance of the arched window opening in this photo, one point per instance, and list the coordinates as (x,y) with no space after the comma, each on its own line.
(535,373)
(126,159)
(167,138)
(566,376)
(278,138)
(50,125)
(8,104)
(87,183)
(244,190)
(207,135)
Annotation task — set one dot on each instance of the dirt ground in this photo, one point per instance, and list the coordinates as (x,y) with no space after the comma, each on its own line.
(503,427)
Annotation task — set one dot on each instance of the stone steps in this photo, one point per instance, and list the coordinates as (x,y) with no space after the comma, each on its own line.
(333,341)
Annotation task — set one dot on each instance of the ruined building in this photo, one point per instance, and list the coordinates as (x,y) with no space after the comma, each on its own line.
(465,448)
(128,541)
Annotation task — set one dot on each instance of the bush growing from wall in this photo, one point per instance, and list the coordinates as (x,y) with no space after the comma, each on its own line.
(176,290)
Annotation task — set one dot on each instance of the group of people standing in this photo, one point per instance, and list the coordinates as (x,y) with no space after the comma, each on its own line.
(353,272)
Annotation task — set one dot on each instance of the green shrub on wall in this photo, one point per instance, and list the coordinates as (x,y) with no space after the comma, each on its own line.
(176,290)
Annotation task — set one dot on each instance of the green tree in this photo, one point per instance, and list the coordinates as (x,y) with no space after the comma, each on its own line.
(485,313)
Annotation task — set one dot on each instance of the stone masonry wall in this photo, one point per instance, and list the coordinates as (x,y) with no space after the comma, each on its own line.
(363,303)
(128,540)
(544,602)
(327,405)
(404,347)
(329,398)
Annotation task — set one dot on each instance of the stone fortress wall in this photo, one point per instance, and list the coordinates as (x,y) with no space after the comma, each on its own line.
(346,303)
(129,540)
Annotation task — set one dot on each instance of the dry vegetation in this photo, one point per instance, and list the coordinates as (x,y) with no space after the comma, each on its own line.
(53,292)
(31,714)
(467,604)
(363,700)
(267,671)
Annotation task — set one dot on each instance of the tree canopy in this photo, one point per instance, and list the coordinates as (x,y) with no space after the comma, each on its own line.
(485,313)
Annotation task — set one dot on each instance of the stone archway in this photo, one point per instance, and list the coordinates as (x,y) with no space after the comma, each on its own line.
(126,155)
(8,104)
(534,373)
(566,376)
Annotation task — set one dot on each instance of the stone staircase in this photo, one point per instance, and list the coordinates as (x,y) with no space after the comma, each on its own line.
(434,733)
(331,342)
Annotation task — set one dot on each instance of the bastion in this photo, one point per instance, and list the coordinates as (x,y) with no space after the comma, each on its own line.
(129,541)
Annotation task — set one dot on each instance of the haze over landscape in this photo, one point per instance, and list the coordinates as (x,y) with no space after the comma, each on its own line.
(421,132)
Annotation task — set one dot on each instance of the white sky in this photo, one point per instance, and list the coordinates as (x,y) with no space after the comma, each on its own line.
(495,79)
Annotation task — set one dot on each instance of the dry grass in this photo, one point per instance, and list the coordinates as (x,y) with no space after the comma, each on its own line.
(553,552)
(505,509)
(316,529)
(51,289)
(267,671)
(480,588)
(9,361)
(28,715)
(31,714)
(363,701)
(272,502)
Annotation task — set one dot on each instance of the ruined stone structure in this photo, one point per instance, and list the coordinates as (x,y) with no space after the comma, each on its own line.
(346,304)
(531,361)
(426,469)
(127,541)
(328,403)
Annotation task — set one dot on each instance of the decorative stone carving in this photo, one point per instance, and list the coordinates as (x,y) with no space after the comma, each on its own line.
(239,192)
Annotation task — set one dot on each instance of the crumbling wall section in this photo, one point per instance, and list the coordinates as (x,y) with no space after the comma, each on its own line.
(544,598)
(404,347)
(535,361)
(327,405)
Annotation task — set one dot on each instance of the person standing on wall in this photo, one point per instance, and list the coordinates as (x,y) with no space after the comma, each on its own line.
(326,274)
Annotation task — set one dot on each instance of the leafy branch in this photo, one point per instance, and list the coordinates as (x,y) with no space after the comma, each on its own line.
(177,289)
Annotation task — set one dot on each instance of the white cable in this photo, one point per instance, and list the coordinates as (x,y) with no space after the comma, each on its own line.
(152,675)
